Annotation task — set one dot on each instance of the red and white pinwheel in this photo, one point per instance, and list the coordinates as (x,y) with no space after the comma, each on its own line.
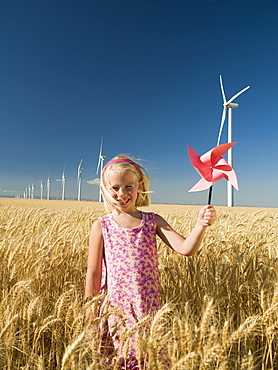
(212,167)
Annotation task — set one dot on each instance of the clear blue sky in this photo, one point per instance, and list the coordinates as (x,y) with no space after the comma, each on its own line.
(144,75)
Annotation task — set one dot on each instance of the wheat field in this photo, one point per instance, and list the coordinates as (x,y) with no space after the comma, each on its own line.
(220,307)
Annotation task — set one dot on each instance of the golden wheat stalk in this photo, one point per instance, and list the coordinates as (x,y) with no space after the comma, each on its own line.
(71,349)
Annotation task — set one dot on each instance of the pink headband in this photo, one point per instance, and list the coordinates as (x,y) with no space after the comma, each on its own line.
(122,160)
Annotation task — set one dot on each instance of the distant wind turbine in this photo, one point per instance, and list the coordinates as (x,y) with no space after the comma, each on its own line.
(229,105)
(32,191)
(100,165)
(63,185)
(79,180)
(48,188)
(41,188)
(29,192)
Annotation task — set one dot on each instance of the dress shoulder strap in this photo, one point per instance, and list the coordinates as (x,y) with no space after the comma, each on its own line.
(149,218)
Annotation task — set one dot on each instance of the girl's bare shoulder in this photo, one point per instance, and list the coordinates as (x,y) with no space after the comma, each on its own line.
(160,222)
(96,227)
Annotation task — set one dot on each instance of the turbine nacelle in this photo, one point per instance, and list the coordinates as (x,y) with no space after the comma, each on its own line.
(232,105)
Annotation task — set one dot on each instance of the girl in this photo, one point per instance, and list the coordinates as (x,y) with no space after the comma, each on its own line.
(122,246)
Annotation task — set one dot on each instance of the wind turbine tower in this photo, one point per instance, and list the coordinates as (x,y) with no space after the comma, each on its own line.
(100,166)
(63,185)
(230,106)
(41,188)
(48,188)
(32,191)
(79,180)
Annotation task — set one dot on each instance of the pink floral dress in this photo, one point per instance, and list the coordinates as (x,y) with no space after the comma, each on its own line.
(130,271)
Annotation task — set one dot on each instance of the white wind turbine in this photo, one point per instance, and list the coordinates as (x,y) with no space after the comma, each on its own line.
(100,165)
(79,180)
(41,188)
(229,105)
(32,191)
(63,185)
(48,188)
(29,192)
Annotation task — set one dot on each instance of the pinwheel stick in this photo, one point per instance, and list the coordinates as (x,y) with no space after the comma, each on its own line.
(210,194)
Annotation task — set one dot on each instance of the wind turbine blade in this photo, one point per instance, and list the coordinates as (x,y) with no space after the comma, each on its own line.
(99,159)
(80,164)
(222,124)
(236,95)
(224,110)
(100,155)
(222,90)
(79,172)
(100,150)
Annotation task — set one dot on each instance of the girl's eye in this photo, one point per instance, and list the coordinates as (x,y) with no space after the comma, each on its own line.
(115,188)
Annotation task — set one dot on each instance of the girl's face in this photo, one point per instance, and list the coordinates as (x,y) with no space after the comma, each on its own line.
(124,188)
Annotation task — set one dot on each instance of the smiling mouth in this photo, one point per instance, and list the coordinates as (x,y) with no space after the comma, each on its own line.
(121,203)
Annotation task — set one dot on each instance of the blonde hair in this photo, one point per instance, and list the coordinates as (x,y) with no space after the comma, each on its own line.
(122,163)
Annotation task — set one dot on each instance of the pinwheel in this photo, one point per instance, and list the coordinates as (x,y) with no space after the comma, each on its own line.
(212,167)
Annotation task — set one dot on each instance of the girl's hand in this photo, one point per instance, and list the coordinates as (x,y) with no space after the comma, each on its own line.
(207,216)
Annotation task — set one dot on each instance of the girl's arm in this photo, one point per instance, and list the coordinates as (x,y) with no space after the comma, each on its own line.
(94,269)
(186,246)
